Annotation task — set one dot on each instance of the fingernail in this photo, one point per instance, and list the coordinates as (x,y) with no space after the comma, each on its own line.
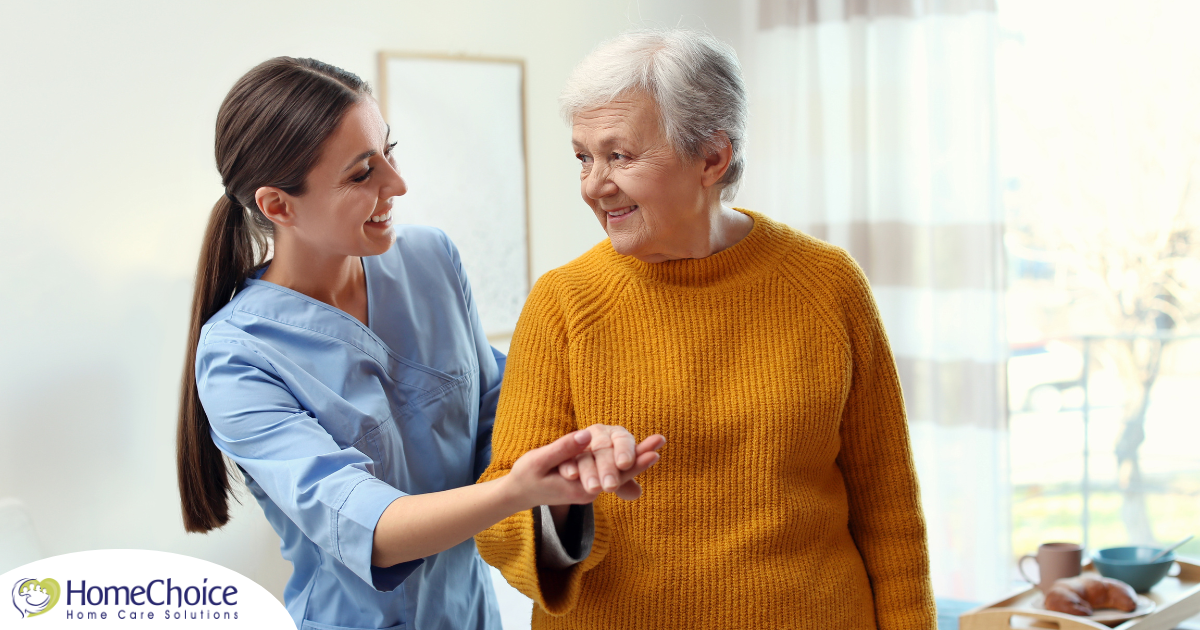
(592,485)
(623,460)
(582,437)
(610,482)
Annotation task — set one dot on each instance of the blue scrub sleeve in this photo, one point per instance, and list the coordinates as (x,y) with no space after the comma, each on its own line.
(325,489)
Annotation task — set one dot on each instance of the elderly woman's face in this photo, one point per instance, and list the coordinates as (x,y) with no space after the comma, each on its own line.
(648,200)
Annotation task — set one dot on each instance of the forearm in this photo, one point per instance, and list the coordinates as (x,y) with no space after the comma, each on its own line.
(421,525)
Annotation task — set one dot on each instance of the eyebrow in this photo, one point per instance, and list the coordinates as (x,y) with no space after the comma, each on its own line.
(361,156)
(369,154)
(604,142)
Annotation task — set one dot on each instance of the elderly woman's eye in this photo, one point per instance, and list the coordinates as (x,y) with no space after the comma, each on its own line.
(583,158)
(619,156)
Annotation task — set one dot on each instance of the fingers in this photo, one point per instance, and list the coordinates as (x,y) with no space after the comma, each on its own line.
(606,469)
(614,449)
(624,446)
(600,453)
(588,475)
(643,463)
(652,443)
(561,450)
(569,470)
(630,490)
(607,460)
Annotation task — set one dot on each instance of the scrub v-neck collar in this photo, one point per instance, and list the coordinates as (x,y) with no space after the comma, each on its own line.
(256,279)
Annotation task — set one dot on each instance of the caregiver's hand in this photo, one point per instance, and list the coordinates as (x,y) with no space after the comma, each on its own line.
(536,479)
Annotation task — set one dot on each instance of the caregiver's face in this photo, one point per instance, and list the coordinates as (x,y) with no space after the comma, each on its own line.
(347,203)
(644,195)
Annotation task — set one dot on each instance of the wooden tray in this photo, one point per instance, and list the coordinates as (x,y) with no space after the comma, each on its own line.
(1178,598)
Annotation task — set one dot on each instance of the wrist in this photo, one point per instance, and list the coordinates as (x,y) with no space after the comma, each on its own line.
(509,495)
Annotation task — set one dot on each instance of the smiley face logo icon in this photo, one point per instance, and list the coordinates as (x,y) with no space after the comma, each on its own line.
(34,597)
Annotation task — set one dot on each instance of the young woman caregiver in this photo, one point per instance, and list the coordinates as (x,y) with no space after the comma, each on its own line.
(348,377)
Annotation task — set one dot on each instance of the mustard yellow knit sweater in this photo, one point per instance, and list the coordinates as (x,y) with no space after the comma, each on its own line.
(786,495)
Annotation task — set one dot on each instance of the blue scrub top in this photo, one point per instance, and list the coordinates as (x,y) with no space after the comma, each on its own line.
(331,421)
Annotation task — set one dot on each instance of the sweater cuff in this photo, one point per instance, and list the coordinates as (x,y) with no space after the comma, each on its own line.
(575,544)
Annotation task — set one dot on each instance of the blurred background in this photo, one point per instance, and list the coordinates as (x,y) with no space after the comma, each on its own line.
(1018,179)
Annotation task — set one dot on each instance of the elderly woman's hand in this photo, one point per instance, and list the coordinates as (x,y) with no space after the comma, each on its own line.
(612,453)
(613,456)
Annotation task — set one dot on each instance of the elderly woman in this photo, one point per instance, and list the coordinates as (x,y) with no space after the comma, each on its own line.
(788,497)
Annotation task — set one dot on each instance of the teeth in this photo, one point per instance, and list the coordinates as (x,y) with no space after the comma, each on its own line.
(382,217)
(624,212)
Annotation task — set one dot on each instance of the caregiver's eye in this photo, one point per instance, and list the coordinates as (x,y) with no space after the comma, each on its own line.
(362,178)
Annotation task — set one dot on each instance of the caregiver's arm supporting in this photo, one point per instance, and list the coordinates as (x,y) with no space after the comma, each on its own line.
(421,525)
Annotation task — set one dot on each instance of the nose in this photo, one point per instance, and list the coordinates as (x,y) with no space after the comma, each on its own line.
(597,184)
(394,186)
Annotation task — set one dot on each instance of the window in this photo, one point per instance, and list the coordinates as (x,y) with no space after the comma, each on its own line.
(1099,141)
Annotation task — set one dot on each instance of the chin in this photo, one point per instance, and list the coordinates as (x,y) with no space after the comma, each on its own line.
(625,245)
(381,246)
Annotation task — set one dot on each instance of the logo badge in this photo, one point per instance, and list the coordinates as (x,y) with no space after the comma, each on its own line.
(33,597)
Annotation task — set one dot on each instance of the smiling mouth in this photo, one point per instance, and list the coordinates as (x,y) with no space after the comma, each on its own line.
(620,212)
(381,218)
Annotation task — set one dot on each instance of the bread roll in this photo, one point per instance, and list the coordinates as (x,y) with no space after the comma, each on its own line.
(1083,595)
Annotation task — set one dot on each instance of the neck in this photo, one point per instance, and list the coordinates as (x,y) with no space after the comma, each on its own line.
(334,279)
(714,229)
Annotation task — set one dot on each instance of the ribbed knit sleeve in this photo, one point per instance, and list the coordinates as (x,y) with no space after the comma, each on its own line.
(535,409)
(886,520)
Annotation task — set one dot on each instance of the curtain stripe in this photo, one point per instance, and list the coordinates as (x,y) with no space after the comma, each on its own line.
(943,325)
(953,393)
(927,256)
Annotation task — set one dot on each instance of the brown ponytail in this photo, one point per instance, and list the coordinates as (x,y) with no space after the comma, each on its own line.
(270,130)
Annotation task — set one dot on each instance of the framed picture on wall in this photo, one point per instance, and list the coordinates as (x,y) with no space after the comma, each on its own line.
(460,127)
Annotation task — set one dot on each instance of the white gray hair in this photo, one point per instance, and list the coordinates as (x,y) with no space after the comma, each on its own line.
(693,77)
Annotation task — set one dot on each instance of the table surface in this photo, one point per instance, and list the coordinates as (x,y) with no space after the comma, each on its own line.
(949,610)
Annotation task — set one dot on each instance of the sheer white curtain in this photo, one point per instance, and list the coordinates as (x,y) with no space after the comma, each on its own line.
(872,127)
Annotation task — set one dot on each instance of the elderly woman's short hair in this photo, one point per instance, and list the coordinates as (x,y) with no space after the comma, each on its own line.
(693,77)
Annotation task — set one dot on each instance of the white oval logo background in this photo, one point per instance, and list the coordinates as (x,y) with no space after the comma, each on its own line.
(134,588)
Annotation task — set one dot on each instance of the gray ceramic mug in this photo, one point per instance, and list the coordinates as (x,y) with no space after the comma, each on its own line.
(1055,560)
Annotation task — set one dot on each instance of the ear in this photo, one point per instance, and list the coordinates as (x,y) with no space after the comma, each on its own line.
(276,205)
(716,161)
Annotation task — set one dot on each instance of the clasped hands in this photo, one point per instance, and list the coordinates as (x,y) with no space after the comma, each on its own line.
(612,461)
(577,467)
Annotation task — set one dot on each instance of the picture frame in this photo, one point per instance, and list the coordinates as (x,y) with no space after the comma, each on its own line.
(460,126)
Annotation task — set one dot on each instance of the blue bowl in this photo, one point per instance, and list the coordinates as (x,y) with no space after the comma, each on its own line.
(1132,565)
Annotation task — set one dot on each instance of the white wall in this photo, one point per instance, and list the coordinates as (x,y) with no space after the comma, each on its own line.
(107,177)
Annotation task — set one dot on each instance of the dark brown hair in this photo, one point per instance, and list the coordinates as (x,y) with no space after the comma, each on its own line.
(270,130)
